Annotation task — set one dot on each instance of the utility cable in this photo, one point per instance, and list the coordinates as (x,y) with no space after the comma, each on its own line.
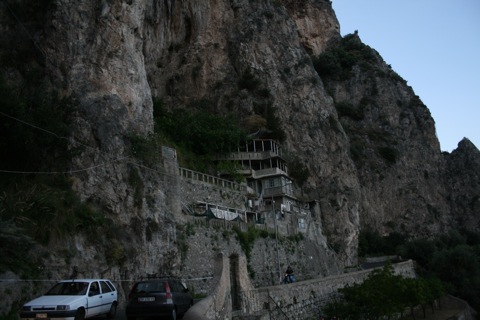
(28,34)
(61,172)
(33,126)
(80,143)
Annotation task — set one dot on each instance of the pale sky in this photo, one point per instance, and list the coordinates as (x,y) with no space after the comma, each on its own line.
(435,46)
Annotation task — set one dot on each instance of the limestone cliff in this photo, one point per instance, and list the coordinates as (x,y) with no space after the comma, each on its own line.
(117,55)
(367,140)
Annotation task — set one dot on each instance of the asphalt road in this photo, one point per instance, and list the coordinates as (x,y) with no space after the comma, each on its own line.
(120,314)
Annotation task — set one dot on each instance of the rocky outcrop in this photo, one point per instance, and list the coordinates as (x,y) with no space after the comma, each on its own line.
(405,181)
(463,184)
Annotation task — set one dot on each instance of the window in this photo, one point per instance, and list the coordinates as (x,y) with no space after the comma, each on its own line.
(94,289)
(105,287)
(149,286)
(301,223)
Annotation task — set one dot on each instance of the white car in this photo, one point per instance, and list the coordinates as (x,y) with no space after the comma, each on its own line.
(74,300)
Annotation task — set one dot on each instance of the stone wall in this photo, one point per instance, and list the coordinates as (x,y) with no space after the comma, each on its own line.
(235,296)
(304,299)
(218,305)
(199,188)
(466,313)
(201,239)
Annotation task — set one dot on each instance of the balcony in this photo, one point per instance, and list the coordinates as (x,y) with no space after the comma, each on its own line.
(278,191)
(270,172)
(238,156)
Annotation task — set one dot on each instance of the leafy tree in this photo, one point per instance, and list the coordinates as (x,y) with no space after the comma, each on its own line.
(435,258)
(420,250)
(201,132)
(383,294)
(465,281)
(370,243)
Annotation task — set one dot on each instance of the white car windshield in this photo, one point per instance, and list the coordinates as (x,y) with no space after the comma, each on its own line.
(68,289)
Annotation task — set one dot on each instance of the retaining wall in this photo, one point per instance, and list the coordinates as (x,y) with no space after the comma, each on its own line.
(303,299)
(299,300)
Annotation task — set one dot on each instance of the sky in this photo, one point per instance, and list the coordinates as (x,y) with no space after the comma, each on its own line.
(435,46)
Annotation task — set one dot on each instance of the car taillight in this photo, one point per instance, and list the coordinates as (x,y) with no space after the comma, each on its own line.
(168,293)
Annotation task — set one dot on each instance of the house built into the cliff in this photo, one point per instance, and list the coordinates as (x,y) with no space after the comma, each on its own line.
(262,164)
(268,189)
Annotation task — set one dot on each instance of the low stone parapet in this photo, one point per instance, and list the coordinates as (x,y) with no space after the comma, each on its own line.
(304,299)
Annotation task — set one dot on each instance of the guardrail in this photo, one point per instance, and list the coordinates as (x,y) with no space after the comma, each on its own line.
(202,177)
(203,221)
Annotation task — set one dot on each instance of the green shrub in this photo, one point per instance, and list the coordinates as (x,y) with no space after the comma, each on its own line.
(328,64)
(296,237)
(346,109)
(115,253)
(337,62)
(274,124)
(146,149)
(371,243)
(389,154)
(356,150)
(297,170)
(201,132)
(248,81)
(232,169)
(45,209)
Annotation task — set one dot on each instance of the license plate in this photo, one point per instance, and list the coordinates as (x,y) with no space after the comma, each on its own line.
(41,316)
(146,299)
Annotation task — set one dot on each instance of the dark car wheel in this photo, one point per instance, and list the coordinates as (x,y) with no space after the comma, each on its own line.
(80,315)
(113,311)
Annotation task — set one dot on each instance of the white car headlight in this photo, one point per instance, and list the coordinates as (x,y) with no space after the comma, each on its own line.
(63,308)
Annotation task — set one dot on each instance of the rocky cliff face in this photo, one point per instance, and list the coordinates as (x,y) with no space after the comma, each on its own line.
(117,55)
(368,141)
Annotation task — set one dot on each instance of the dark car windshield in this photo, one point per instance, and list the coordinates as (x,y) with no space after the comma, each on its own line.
(68,289)
(149,287)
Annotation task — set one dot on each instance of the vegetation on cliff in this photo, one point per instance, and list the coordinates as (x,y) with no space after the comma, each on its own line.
(384,294)
(453,258)
(37,203)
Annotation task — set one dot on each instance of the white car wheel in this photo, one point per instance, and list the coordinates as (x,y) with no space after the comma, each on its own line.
(113,311)
(80,315)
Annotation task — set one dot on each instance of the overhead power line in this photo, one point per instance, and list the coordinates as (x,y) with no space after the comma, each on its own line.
(128,159)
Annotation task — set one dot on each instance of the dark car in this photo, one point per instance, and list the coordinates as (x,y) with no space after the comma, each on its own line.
(163,298)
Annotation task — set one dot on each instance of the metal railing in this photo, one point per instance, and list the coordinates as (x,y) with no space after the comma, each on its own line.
(199,176)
